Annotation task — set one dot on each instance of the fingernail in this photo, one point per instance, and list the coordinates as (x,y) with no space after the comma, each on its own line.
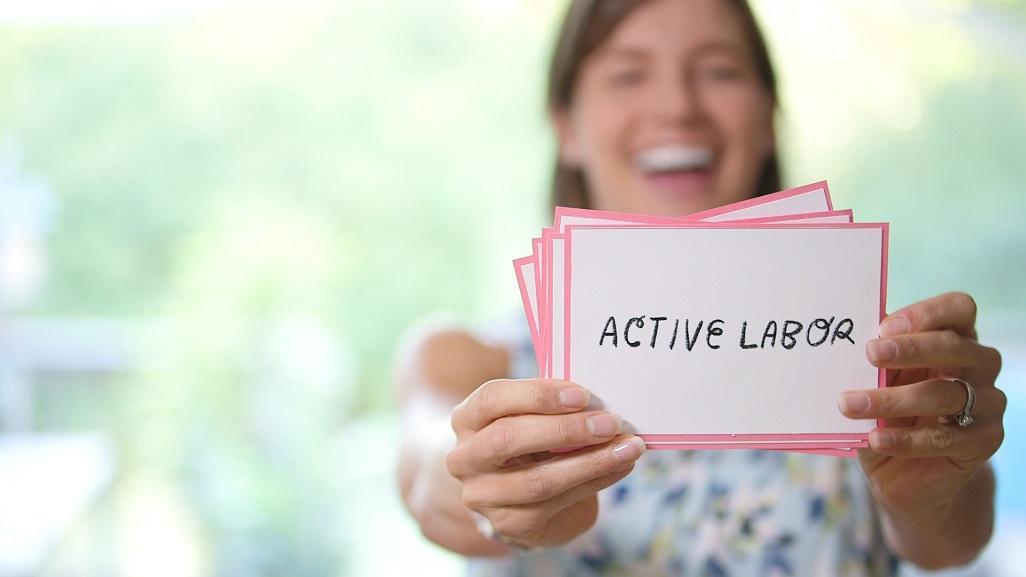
(573,397)
(895,326)
(853,403)
(881,440)
(605,425)
(629,450)
(881,350)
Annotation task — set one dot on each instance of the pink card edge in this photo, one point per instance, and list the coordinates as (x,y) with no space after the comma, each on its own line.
(797,216)
(567,276)
(544,302)
(548,235)
(797,439)
(532,324)
(546,310)
(539,291)
(846,453)
(561,211)
(756,201)
(885,232)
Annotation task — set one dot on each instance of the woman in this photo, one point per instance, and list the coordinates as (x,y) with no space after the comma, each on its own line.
(666,107)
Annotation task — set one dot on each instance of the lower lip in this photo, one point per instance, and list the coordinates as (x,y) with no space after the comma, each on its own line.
(684,183)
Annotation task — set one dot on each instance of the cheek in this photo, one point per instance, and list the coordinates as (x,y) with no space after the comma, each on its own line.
(746,123)
(600,131)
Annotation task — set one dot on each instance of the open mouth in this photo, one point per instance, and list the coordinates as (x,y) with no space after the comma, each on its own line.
(678,169)
(674,159)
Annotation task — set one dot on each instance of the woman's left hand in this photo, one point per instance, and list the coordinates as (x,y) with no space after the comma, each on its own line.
(921,459)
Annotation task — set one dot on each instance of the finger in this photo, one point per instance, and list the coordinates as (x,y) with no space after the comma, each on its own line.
(528,519)
(937,349)
(931,398)
(585,490)
(542,481)
(503,397)
(977,441)
(954,310)
(510,437)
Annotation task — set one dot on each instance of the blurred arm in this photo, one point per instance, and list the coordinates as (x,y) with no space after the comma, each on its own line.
(436,368)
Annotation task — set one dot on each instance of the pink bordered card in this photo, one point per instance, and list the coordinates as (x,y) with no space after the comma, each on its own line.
(720,335)
(540,280)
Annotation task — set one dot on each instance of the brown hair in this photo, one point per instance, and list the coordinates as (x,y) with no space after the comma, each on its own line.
(586,25)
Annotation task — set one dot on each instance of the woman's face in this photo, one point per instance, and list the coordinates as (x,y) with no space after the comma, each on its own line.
(669,116)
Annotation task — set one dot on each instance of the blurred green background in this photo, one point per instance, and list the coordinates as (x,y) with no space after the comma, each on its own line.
(217,217)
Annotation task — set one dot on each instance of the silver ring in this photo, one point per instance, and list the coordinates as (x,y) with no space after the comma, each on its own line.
(965,418)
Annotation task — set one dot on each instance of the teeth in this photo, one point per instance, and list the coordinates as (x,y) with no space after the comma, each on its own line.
(673,158)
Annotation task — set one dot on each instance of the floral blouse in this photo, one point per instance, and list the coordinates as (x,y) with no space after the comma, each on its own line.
(716,514)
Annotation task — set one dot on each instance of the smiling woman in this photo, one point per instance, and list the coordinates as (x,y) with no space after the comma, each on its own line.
(665,107)
(252,198)
(669,107)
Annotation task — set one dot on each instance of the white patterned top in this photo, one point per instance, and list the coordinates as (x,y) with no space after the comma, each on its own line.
(714,514)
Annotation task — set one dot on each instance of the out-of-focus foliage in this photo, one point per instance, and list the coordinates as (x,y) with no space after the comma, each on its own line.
(281,189)
(333,158)
(914,112)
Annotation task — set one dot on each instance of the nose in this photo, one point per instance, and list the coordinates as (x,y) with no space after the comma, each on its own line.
(674,98)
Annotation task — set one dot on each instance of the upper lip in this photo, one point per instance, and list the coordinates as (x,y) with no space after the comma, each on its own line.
(673,157)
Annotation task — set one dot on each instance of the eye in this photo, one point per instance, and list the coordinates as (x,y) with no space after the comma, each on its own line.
(626,77)
(721,68)
(721,71)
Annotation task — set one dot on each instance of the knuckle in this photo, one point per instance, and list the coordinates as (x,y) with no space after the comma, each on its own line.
(916,314)
(965,303)
(998,437)
(545,390)
(473,497)
(501,521)
(948,340)
(908,347)
(941,438)
(599,463)
(519,524)
(501,438)
(569,428)
(538,485)
(883,401)
(454,462)
(461,419)
(952,399)
(455,417)
(994,359)
(486,398)
(904,439)
(1002,401)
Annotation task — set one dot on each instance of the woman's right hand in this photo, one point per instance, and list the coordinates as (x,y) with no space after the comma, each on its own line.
(506,433)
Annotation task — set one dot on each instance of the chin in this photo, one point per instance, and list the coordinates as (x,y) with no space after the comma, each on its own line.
(658,203)
(676,195)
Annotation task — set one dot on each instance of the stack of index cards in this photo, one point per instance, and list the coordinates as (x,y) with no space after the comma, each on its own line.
(736,327)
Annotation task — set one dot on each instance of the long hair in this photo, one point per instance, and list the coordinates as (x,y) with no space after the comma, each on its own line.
(586,25)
